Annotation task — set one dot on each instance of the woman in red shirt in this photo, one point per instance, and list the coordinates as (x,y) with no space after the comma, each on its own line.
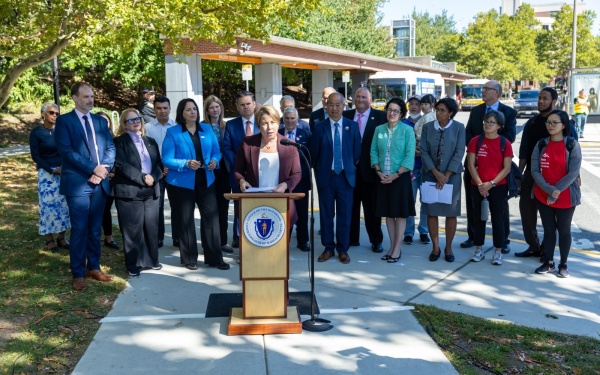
(555,165)
(489,158)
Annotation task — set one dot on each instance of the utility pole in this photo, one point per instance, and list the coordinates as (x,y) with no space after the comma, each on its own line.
(573,58)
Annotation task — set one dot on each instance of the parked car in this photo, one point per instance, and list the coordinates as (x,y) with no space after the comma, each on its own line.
(526,103)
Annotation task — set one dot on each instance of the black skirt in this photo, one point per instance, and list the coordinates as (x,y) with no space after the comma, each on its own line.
(395,200)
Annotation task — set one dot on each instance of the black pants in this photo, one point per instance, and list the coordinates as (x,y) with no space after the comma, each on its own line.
(221,187)
(553,220)
(138,221)
(302,236)
(496,199)
(471,215)
(162,183)
(174,214)
(107,217)
(185,202)
(528,207)
(365,193)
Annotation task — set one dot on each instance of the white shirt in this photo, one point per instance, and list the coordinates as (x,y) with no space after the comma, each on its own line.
(82,121)
(341,130)
(268,169)
(158,131)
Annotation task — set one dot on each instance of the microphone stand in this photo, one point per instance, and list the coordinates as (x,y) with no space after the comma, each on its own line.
(313,324)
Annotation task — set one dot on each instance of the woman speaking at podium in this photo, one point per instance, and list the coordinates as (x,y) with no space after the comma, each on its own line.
(263,162)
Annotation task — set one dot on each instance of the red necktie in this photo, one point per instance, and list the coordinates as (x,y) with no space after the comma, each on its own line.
(248,128)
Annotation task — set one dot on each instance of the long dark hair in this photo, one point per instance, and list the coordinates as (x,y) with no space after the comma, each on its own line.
(181,106)
(564,119)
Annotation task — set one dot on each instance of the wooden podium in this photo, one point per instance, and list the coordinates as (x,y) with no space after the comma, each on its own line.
(264,266)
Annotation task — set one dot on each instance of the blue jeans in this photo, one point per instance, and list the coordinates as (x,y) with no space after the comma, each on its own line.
(580,120)
(410,221)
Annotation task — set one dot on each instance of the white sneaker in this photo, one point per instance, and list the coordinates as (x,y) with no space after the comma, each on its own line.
(497,260)
(478,256)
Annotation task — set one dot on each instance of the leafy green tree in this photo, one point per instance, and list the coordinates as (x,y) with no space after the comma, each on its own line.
(555,45)
(436,35)
(32,32)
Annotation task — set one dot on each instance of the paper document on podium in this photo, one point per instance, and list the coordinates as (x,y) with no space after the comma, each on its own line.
(268,189)
(431,194)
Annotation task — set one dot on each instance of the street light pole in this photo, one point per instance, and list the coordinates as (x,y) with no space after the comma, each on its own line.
(573,58)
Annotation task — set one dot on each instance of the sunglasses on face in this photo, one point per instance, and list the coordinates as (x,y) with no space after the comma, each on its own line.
(53,113)
(133,120)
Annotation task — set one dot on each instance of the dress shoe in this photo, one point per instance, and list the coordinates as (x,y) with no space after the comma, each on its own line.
(79,283)
(529,253)
(192,266)
(505,249)
(161,244)
(354,244)
(98,275)
(467,244)
(377,248)
(175,243)
(221,266)
(235,244)
(433,256)
(112,244)
(344,258)
(227,249)
(325,256)
(305,247)
(449,257)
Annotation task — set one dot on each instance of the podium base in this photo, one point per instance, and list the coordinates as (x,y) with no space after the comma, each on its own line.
(240,326)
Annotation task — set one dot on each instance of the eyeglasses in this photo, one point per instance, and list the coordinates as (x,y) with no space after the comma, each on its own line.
(53,113)
(393,111)
(133,120)
(490,123)
(553,123)
(485,88)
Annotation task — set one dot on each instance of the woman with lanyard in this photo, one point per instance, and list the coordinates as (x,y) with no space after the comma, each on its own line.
(191,152)
(555,164)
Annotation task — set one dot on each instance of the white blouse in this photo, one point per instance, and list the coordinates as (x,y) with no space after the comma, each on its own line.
(268,169)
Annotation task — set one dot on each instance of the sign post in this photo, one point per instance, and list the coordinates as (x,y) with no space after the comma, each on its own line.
(346,79)
(247,74)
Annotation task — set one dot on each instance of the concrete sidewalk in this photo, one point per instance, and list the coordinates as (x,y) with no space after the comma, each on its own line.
(157,324)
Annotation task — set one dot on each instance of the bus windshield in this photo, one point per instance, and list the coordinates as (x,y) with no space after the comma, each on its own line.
(471,92)
(385,91)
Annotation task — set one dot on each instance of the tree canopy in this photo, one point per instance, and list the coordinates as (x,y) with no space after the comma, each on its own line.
(436,35)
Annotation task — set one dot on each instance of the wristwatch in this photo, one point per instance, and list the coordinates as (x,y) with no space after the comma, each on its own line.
(493,183)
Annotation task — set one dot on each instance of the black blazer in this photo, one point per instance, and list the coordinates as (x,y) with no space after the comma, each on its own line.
(303,138)
(376,118)
(316,116)
(475,123)
(129,178)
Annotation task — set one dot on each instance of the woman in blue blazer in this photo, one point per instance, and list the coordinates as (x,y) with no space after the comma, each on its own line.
(191,152)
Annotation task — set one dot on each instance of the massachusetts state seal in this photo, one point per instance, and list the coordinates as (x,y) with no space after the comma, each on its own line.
(264,226)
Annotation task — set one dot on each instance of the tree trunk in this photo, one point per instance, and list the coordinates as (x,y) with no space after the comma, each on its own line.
(15,71)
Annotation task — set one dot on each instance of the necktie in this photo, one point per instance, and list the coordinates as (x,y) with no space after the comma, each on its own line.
(90,141)
(291,135)
(360,123)
(487,109)
(337,150)
(248,128)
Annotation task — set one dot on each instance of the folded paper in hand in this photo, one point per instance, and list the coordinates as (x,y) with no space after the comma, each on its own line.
(431,194)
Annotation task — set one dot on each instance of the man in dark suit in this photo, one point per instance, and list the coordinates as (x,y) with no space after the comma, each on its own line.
(367,119)
(490,93)
(335,150)
(289,101)
(301,136)
(321,113)
(86,146)
(235,131)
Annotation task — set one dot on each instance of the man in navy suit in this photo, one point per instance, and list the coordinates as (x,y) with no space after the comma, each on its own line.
(490,94)
(321,113)
(367,119)
(289,101)
(235,131)
(335,150)
(86,146)
(296,134)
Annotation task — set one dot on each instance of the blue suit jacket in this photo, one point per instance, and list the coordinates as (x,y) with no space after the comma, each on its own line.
(178,148)
(77,166)
(301,125)
(303,138)
(235,132)
(321,150)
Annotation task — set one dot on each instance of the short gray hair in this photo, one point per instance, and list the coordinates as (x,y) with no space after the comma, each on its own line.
(287,97)
(498,87)
(290,109)
(48,105)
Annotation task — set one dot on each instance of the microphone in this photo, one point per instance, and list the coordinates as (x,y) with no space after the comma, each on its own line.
(287,142)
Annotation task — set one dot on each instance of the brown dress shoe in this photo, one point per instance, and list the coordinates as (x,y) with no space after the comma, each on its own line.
(79,283)
(344,258)
(98,275)
(325,256)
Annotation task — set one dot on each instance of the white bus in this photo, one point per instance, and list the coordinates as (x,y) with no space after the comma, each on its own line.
(404,84)
(471,93)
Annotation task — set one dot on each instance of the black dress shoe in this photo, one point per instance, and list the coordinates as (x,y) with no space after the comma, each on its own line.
(176,243)
(227,249)
(433,256)
(235,244)
(528,253)
(355,243)
(192,266)
(112,244)
(221,266)
(377,248)
(449,257)
(305,247)
(467,244)
(505,249)
(161,244)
